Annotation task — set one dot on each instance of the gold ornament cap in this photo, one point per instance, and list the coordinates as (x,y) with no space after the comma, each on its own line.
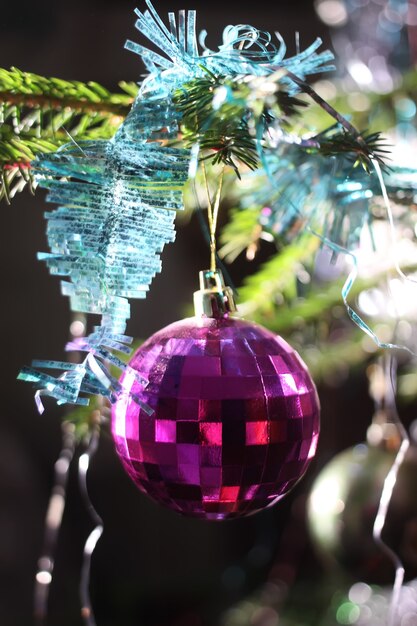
(214,298)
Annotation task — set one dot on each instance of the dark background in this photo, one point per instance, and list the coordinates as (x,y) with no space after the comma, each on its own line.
(150,567)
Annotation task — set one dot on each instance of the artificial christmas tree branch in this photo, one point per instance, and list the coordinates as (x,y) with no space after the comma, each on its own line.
(228,119)
(118,185)
(238,107)
(33,90)
(39,115)
(45,102)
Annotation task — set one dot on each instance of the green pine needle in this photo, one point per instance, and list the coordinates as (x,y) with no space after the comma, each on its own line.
(39,114)
(228,118)
(270,296)
(34,91)
(242,232)
(326,359)
(263,291)
(222,116)
(361,149)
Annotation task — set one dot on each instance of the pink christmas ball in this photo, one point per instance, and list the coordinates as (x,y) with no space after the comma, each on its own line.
(235,422)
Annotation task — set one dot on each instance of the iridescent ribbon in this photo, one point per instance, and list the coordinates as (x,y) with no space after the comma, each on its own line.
(388,489)
(87,612)
(53,520)
(353,274)
(390,221)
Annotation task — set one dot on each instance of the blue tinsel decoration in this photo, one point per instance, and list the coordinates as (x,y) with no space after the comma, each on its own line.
(118,198)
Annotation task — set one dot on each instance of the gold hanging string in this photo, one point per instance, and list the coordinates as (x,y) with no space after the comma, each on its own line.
(213,213)
(209,205)
(214,222)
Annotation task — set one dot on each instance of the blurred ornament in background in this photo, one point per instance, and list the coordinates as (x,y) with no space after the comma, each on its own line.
(368,606)
(344,501)
(236,414)
(362,509)
(329,266)
(371,40)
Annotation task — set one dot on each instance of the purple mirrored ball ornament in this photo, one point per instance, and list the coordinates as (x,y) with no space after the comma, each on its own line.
(235,422)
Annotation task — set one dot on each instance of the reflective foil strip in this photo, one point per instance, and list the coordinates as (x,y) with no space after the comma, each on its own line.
(53,521)
(388,489)
(83,465)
